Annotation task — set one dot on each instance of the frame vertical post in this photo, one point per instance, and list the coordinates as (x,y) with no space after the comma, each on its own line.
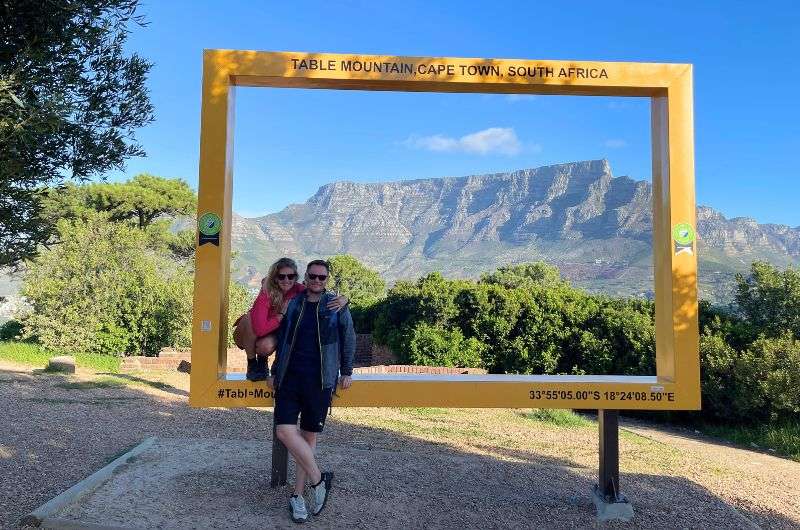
(611,504)
(280,460)
(608,420)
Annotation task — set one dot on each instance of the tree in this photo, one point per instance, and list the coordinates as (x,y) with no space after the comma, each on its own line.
(104,290)
(525,274)
(70,101)
(769,299)
(436,346)
(146,202)
(361,285)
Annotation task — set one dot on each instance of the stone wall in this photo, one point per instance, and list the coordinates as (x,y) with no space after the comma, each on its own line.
(370,358)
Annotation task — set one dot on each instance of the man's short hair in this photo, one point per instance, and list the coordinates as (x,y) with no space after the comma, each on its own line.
(321,263)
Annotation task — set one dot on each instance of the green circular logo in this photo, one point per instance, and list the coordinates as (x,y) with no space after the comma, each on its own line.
(683,233)
(210,224)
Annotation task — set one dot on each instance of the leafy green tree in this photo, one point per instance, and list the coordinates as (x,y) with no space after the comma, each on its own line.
(525,274)
(618,339)
(436,346)
(70,101)
(769,299)
(363,286)
(141,201)
(104,290)
(147,202)
(775,362)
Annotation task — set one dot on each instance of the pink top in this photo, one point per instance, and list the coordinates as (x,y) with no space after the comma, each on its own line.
(262,317)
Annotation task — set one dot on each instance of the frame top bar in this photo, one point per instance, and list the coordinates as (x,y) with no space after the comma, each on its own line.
(440,74)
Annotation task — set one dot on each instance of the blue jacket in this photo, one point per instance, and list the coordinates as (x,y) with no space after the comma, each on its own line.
(336,336)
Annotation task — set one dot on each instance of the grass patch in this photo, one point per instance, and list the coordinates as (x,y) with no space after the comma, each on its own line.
(783,438)
(37,356)
(559,418)
(426,412)
(25,353)
(636,438)
(438,430)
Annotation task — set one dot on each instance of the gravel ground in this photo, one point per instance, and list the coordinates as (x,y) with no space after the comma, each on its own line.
(394,467)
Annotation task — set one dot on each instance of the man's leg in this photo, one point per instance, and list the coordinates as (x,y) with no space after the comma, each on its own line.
(300,481)
(300,450)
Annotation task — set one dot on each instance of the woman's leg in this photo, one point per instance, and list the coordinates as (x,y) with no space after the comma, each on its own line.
(265,345)
(244,337)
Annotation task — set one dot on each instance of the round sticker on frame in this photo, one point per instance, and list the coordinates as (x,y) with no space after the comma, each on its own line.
(210,224)
(683,234)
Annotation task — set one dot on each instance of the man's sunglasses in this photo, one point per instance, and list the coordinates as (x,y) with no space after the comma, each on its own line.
(287,276)
(320,277)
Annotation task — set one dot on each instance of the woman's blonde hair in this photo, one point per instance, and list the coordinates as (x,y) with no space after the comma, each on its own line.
(274,290)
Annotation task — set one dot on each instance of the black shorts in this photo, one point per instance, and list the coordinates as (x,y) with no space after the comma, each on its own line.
(302,396)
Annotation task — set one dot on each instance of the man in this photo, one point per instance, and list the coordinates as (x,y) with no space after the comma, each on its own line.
(315,345)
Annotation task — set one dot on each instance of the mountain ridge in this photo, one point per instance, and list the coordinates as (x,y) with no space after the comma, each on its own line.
(596,227)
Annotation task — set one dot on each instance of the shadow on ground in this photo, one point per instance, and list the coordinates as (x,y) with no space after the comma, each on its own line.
(54,436)
(166,387)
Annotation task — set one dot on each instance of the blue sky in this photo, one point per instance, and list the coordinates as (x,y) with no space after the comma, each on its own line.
(290,142)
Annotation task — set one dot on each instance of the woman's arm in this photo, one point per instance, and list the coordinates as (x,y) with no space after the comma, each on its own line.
(338,303)
(263,319)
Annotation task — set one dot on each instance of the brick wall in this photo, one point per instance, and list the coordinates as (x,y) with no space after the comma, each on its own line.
(409,369)
(171,359)
(370,358)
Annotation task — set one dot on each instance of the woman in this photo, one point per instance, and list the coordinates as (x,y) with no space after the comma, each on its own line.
(254,332)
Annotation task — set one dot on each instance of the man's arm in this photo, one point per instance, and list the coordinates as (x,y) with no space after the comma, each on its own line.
(347,342)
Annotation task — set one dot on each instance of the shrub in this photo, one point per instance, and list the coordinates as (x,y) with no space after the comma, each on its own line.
(435,346)
(103,290)
(11,330)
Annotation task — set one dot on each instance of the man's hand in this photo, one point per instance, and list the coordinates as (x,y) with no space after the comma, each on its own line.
(269,383)
(338,303)
(346,381)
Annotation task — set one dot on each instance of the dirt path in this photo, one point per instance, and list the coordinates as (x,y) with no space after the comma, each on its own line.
(768,486)
(395,467)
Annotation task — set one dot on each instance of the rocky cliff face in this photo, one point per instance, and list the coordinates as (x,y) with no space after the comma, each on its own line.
(596,227)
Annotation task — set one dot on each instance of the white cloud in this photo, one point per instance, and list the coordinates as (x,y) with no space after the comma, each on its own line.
(514,98)
(494,140)
(615,143)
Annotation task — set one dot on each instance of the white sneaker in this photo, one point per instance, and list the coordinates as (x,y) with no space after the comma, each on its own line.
(319,494)
(297,507)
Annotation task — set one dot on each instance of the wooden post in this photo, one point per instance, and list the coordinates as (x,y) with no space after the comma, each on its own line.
(280,461)
(608,483)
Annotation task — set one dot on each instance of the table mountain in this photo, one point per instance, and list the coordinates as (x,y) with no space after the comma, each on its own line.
(595,227)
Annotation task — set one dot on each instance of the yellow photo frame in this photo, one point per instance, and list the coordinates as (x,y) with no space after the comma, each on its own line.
(676,385)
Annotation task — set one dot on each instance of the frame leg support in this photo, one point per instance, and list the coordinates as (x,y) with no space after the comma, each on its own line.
(280,461)
(610,502)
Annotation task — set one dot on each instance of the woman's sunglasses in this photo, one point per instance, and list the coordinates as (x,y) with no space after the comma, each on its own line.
(287,276)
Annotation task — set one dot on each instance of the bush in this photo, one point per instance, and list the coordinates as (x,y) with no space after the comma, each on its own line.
(524,319)
(104,290)
(769,299)
(775,366)
(434,346)
(11,330)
